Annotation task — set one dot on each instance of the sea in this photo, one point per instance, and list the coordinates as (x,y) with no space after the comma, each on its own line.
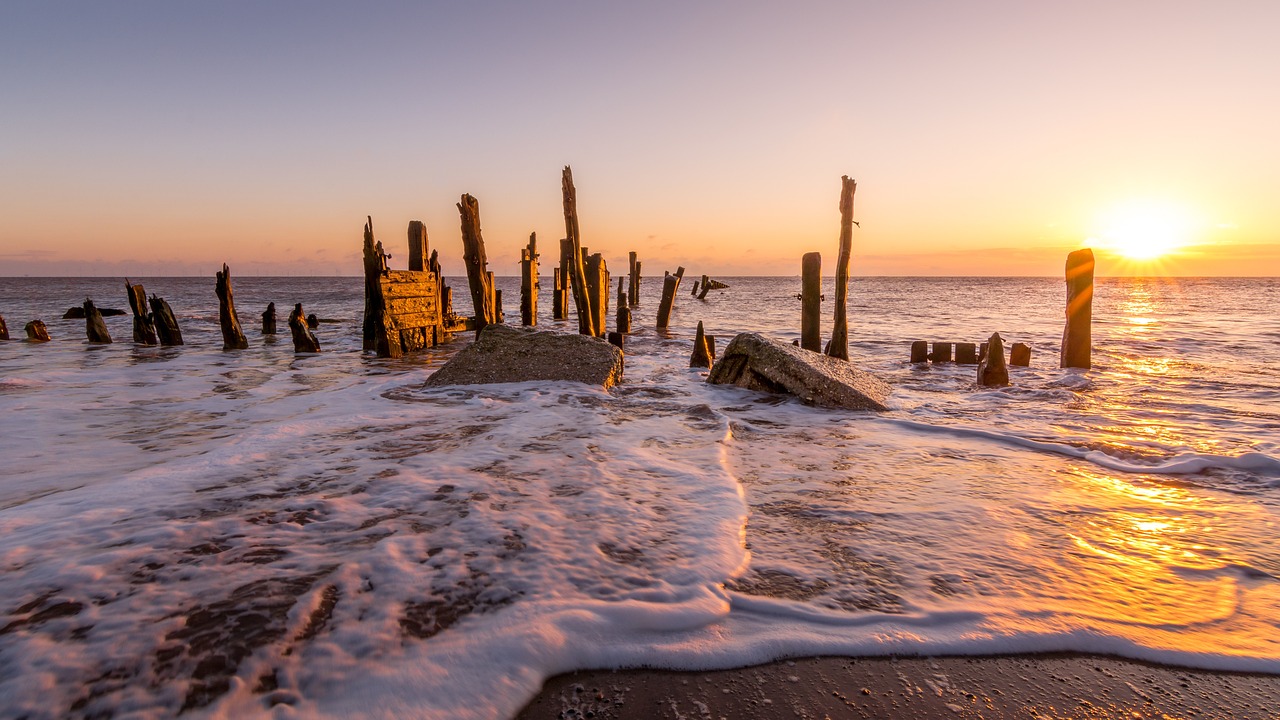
(264,533)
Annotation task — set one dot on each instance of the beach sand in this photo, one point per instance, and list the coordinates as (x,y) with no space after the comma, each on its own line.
(1023,686)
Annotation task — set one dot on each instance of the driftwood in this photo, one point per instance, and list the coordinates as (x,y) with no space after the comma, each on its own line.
(36,331)
(633,287)
(478,277)
(303,340)
(1077,335)
(623,319)
(839,345)
(670,285)
(597,282)
(94,326)
(529,282)
(811,302)
(417,245)
(269,320)
(144,330)
(166,324)
(4,329)
(232,336)
(992,371)
(577,273)
(701,357)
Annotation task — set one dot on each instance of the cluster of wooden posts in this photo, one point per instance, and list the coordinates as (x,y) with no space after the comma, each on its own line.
(811,286)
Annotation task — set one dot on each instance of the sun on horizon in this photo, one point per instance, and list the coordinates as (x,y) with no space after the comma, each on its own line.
(1144,232)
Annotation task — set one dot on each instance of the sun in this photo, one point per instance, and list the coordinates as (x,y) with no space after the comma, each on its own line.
(1145,231)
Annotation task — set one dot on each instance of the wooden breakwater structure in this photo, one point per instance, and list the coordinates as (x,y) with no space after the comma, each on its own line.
(407,310)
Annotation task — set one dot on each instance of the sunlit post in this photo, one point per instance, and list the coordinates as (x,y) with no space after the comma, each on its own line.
(1076,336)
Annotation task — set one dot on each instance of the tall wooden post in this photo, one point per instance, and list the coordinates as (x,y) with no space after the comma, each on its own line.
(379,335)
(1077,337)
(560,303)
(633,289)
(811,302)
(529,282)
(269,320)
(166,324)
(144,330)
(94,326)
(597,282)
(577,275)
(670,286)
(417,245)
(232,336)
(482,298)
(623,319)
(839,347)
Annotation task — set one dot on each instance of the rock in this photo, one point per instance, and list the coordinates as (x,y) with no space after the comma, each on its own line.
(504,354)
(77,313)
(992,371)
(757,363)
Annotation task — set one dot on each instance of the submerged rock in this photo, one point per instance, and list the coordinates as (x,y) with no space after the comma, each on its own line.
(755,362)
(505,354)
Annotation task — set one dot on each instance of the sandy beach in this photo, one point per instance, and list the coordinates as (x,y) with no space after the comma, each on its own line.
(1038,686)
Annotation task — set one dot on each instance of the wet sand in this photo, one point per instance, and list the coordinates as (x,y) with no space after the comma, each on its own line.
(1025,686)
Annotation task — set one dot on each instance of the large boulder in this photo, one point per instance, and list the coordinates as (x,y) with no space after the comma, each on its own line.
(755,362)
(505,354)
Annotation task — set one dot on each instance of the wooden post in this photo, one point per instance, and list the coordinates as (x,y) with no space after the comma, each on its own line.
(711,346)
(1077,335)
(992,371)
(166,324)
(36,331)
(444,300)
(529,282)
(144,331)
(4,329)
(303,340)
(966,354)
(633,284)
(941,352)
(839,346)
(498,316)
(379,336)
(417,245)
(1020,355)
(232,336)
(811,301)
(269,320)
(482,298)
(597,281)
(696,283)
(920,351)
(577,278)
(706,287)
(623,320)
(560,302)
(615,339)
(639,274)
(670,285)
(701,357)
(94,326)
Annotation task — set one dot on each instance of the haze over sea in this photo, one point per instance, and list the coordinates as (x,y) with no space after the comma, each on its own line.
(259,532)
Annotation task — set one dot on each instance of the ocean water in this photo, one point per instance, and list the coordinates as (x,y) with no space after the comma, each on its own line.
(264,533)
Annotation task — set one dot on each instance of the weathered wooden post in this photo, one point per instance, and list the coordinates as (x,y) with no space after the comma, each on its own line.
(4,329)
(711,346)
(633,283)
(615,338)
(1020,355)
(379,335)
(417,245)
(670,285)
(144,331)
(992,371)
(1077,335)
(623,319)
(269,320)
(232,336)
(165,321)
(811,301)
(94,326)
(696,283)
(478,278)
(920,351)
(966,354)
(313,321)
(529,282)
(560,301)
(839,345)
(941,352)
(303,340)
(577,274)
(36,331)
(597,281)
(701,357)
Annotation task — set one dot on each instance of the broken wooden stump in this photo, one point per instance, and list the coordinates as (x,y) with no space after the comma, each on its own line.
(811,302)
(417,245)
(920,351)
(701,357)
(694,293)
(616,338)
(623,319)
(232,336)
(313,322)
(269,320)
(670,285)
(707,285)
(1020,355)
(633,282)
(577,272)
(597,275)
(992,371)
(303,340)
(560,299)
(4,329)
(144,330)
(478,277)
(941,352)
(966,354)
(838,347)
(36,331)
(1077,335)
(711,346)
(379,336)
(529,282)
(166,324)
(94,327)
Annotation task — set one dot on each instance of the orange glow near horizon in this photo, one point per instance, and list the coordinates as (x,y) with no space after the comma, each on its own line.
(1143,233)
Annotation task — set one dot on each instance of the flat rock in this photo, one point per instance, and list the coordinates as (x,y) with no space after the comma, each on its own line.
(758,363)
(506,354)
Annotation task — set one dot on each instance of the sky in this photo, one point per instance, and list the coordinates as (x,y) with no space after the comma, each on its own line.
(149,138)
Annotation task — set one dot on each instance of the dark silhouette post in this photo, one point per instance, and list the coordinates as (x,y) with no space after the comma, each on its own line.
(811,302)
(839,346)
(1077,335)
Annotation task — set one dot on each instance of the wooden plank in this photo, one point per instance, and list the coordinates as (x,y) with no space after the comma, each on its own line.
(406,306)
(413,320)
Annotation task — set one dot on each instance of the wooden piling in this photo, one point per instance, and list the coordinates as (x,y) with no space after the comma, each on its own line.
(94,327)
(623,319)
(811,301)
(670,285)
(269,320)
(839,345)
(966,354)
(711,346)
(577,273)
(639,274)
(597,281)
(482,297)
(232,336)
(633,281)
(1020,355)
(615,338)
(4,329)
(560,301)
(166,323)
(1077,335)
(707,284)
(303,340)
(696,283)
(701,357)
(920,351)
(379,335)
(529,282)
(992,371)
(417,245)
(144,330)
(941,352)
(36,331)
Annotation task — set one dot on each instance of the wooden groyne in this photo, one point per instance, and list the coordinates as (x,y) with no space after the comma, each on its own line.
(144,329)
(232,335)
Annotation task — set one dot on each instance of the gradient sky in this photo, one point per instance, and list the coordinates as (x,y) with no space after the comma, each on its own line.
(164,138)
